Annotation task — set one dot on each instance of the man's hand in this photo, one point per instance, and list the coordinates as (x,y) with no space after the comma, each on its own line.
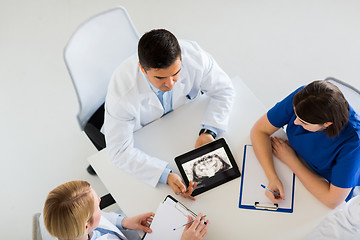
(140,222)
(203,139)
(197,230)
(178,186)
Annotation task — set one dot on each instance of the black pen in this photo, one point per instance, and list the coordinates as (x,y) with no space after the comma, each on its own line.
(178,193)
(187,190)
(188,223)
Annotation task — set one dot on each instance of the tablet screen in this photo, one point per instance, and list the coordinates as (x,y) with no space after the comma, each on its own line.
(210,165)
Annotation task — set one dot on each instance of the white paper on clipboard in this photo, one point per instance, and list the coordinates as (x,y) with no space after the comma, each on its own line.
(170,215)
(252,195)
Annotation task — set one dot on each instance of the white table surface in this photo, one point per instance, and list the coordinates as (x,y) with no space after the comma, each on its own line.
(175,134)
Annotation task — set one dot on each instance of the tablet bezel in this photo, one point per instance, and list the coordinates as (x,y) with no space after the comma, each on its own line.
(218,179)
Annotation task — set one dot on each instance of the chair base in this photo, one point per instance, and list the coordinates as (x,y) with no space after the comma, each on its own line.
(91,171)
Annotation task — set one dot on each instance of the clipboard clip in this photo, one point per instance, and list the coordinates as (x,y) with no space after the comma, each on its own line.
(182,208)
(275,207)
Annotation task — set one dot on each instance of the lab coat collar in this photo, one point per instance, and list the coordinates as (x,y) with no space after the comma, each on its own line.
(148,90)
(178,90)
(143,83)
(106,224)
(145,90)
(154,89)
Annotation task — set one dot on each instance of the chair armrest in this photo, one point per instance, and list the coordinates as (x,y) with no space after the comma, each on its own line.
(106,201)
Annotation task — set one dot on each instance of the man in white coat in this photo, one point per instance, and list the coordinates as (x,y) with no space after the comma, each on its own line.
(164,75)
(72,211)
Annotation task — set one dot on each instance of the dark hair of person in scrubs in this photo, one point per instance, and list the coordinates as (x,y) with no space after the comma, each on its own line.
(321,102)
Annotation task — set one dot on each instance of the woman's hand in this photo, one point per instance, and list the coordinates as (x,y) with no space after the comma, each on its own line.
(283,151)
(140,222)
(276,186)
(197,230)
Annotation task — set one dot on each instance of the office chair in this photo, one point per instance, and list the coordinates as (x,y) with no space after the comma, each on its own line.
(351,94)
(39,231)
(91,55)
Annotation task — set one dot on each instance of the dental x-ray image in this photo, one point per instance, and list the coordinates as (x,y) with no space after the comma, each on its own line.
(210,165)
(207,166)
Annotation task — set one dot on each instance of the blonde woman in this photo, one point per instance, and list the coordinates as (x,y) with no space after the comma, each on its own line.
(72,211)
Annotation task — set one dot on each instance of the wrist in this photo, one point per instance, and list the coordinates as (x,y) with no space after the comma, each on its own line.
(207,131)
(273,178)
(124,223)
(165,175)
(295,164)
(169,178)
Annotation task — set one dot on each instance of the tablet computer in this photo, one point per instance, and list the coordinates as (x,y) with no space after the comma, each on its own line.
(210,166)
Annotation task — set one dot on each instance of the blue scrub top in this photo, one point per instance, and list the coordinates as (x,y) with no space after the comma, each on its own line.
(336,159)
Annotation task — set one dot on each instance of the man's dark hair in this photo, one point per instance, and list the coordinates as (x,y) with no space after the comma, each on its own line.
(321,102)
(158,48)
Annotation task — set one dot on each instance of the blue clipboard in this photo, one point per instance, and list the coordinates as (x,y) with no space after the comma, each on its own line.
(252,195)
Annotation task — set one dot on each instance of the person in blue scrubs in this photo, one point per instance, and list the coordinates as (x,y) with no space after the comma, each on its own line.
(323,146)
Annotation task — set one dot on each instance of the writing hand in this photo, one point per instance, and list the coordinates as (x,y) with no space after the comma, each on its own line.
(276,186)
(197,230)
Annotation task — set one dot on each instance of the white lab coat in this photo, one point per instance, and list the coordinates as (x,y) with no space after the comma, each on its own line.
(107,221)
(131,104)
(342,223)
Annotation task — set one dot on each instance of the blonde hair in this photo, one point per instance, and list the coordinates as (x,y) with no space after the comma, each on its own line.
(68,208)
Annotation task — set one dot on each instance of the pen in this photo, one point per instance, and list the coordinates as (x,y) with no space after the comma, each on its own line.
(277,195)
(188,223)
(178,193)
(187,190)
